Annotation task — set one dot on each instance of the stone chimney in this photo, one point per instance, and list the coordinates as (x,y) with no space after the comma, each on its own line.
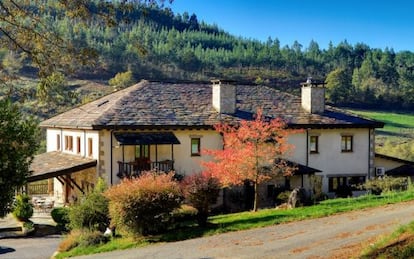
(224,96)
(313,96)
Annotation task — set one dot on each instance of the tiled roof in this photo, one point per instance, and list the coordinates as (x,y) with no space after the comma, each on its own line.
(53,164)
(155,104)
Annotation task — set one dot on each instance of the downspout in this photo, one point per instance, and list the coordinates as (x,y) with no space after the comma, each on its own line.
(61,140)
(307,147)
(307,152)
(111,156)
(172,156)
(369,154)
(84,143)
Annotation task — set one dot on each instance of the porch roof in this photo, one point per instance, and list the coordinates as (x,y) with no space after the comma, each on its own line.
(146,138)
(54,164)
(302,169)
(404,170)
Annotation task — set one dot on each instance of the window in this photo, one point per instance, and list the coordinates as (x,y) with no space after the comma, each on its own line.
(90,147)
(58,142)
(195,146)
(346,143)
(142,151)
(78,144)
(69,143)
(353,182)
(313,144)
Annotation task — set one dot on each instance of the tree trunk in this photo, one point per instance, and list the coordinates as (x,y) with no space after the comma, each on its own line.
(256,196)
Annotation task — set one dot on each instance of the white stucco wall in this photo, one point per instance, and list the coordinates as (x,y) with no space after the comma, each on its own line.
(184,163)
(388,164)
(84,135)
(330,159)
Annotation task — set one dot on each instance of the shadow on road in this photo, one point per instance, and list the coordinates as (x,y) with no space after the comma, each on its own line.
(5,250)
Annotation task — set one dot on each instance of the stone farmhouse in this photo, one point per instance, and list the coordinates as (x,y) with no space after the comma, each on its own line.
(164,126)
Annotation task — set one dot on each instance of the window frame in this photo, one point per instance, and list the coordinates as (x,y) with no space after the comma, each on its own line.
(142,151)
(78,143)
(58,142)
(90,147)
(316,150)
(197,150)
(68,143)
(348,140)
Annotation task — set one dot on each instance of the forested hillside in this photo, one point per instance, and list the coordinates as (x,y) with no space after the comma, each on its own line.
(153,43)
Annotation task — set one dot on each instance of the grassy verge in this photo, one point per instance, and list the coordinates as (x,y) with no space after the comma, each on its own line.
(399,244)
(247,220)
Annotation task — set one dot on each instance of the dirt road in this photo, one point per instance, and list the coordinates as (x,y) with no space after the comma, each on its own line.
(339,236)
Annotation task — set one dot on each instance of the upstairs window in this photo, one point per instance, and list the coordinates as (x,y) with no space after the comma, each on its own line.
(90,147)
(78,144)
(195,147)
(347,143)
(313,144)
(69,143)
(58,142)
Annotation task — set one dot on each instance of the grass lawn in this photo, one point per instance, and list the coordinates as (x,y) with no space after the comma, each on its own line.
(247,220)
(396,123)
(397,137)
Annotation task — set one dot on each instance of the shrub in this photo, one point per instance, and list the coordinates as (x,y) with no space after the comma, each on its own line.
(22,208)
(283,197)
(61,216)
(201,191)
(71,241)
(343,191)
(143,205)
(122,79)
(82,238)
(91,211)
(385,184)
(184,213)
(92,238)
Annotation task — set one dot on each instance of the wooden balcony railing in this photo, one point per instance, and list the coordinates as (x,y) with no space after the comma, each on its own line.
(134,169)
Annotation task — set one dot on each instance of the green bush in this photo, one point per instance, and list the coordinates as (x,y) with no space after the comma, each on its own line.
(201,191)
(122,80)
(283,197)
(385,184)
(83,238)
(61,216)
(143,205)
(91,212)
(92,238)
(22,208)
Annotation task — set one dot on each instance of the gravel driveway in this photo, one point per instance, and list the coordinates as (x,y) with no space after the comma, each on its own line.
(338,236)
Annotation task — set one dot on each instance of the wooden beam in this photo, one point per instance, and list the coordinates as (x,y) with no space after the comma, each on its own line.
(77,186)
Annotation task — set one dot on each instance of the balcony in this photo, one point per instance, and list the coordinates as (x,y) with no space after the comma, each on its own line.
(135,168)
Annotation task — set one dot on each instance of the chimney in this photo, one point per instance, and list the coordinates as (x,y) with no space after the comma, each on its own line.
(224,96)
(313,96)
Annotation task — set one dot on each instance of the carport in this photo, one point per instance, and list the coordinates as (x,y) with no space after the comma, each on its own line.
(60,166)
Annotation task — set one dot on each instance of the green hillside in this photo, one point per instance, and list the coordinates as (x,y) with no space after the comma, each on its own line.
(397,136)
(156,44)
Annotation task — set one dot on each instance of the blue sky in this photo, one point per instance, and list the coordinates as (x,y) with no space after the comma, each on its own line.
(379,24)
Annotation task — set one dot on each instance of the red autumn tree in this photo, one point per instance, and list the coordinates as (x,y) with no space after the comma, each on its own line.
(253,151)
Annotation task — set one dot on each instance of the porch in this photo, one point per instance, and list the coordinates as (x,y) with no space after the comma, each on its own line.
(145,151)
